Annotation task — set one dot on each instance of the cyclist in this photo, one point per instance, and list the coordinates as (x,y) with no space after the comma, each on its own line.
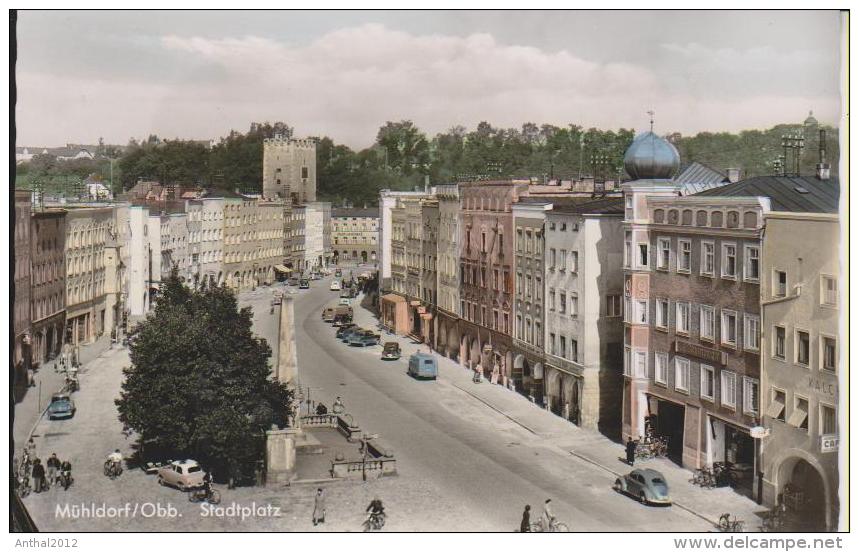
(66,473)
(548,518)
(207,484)
(115,459)
(377,511)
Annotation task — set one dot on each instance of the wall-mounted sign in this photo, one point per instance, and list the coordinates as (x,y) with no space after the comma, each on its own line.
(705,353)
(829,443)
(821,386)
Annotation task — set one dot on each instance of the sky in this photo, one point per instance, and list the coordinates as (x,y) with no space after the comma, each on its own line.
(82,75)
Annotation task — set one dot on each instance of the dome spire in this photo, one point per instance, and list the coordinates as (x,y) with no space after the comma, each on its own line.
(651,113)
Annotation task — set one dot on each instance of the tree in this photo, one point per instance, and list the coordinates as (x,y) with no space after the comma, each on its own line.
(199,383)
(406,146)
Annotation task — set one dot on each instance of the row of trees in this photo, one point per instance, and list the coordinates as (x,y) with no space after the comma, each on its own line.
(403,157)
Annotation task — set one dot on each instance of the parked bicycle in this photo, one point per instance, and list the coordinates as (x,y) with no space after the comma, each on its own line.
(23,489)
(555,526)
(728,525)
(704,477)
(774,520)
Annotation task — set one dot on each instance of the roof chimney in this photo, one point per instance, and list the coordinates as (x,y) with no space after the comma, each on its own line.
(733,175)
(822,165)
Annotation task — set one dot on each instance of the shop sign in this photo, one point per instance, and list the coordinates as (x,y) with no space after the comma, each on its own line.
(705,353)
(821,386)
(829,443)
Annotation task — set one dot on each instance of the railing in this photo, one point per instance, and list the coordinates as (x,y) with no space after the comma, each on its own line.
(319,420)
(372,467)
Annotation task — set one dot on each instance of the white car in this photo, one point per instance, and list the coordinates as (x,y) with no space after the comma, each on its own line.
(182,474)
(335,285)
(344,301)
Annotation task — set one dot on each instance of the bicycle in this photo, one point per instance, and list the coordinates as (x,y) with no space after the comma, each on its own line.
(23,489)
(112,469)
(555,526)
(374,522)
(212,496)
(728,525)
(774,520)
(65,479)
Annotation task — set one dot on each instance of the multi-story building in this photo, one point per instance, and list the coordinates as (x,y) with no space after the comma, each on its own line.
(394,306)
(388,200)
(240,242)
(211,238)
(447,288)
(22,320)
(140,264)
(429,221)
(354,235)
(122,240)
(692,314)
(48,291)
(583,311)
(486,302)
(316,215)
(529,219)
(269,236)
(88,230)
(194,211)
(297,237)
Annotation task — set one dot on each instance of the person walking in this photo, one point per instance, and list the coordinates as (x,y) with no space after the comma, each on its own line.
(38,476)
(630,451)
(548,518)
(53,467)
(319,507)
(525,526)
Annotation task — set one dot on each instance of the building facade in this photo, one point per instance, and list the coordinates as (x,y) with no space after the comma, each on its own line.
(316,215)
(140,267)
(802,362)
(269,246)
(48,291)
(429,221)
(21,307)
(389,200)
(240,242)
(354,235)
(447,287)
(583,312)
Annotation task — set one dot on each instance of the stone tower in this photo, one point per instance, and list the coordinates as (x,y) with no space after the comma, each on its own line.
(289,170)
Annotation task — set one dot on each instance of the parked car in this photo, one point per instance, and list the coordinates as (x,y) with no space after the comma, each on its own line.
(293,281)
(347,335)
(363,339)
(391,351)
(304,283)
(182,474)
(423,366)
(335,285)
(645,484)
(338,273)
(343,329)
(62,407)
(344,301)
(341,320)
(328,314)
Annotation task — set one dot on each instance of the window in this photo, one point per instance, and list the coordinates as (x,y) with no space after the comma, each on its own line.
(627,250)
(642,255)
(750,396)
(574,305)
(612,306)
(551,299)
(641,311)
(684,256)
(776,407)
(681,374)
(562,350)
(640,364)
(729,389)
(627,200)
(828,291)
(303,172)
(708,322)
(780,283)
(751,332)
(552,258)
(552,343)
(529,286)
(729,260)
(753,263)
(662,313)
(729,328)
(708,382)
(828,421)
(682,319)
(779,343)
(562,262)
(562,302)
(563,227)
(660,373)
(663,258)
(574,350)
(528,243)
(707,258)
(574,261)
(803,347)
(799,416)
(829,355)
(627,361)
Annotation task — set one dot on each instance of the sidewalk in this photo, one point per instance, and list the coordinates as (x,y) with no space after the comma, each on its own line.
(48,380)
(580,445)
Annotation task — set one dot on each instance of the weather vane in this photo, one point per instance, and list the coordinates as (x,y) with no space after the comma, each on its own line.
(651,113)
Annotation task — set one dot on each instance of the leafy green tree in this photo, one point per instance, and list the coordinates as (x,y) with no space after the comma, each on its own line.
(406,147)
(199,385)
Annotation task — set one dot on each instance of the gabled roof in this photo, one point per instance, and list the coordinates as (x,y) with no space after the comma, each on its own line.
(800,194)
(697,177)
(581,205)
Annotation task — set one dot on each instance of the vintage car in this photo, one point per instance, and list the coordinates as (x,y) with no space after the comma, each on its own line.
(338,273)
(363,339)
(391,351)
(645,484)
(61,407)
(423,366)
(342,319)
(335,285)
(304,283)
(343,329)
(347,335)
(344,301)
(182,474)
(346,293)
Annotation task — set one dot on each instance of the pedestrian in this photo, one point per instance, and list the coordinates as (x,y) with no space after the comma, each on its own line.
(38,476)
(630,451)
(525,526)
(30,450)
(319,507)
(53,467)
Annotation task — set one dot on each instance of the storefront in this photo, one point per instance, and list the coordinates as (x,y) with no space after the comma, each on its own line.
(394,313)
(281,272)
(732,445)
(667,420)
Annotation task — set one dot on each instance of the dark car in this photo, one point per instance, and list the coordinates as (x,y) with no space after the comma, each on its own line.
(391,351)
(647,485)
(61,407)
(347,335)
(363,339)
(304,284)
(341,320)
(343,329)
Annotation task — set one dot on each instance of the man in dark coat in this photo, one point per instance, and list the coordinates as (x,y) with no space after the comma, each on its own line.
(38,476)
(319,507)
(525,526)
(630,451)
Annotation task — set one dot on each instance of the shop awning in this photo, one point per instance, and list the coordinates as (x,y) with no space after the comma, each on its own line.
(775,409)
(283,269)
(393,298)
(797,417)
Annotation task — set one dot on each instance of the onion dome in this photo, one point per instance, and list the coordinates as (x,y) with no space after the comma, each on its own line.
(651,157)
(810,120)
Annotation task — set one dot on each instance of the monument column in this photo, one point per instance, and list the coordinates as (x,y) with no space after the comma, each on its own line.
(287,358)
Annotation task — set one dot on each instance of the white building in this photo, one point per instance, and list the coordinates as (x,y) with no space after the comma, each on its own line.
(206,238)
(387,201)
(139,261)
(314,234)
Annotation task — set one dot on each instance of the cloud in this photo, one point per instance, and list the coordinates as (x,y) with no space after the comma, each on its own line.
(348,82)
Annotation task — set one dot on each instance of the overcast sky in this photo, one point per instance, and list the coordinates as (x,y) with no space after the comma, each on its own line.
(82,75)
